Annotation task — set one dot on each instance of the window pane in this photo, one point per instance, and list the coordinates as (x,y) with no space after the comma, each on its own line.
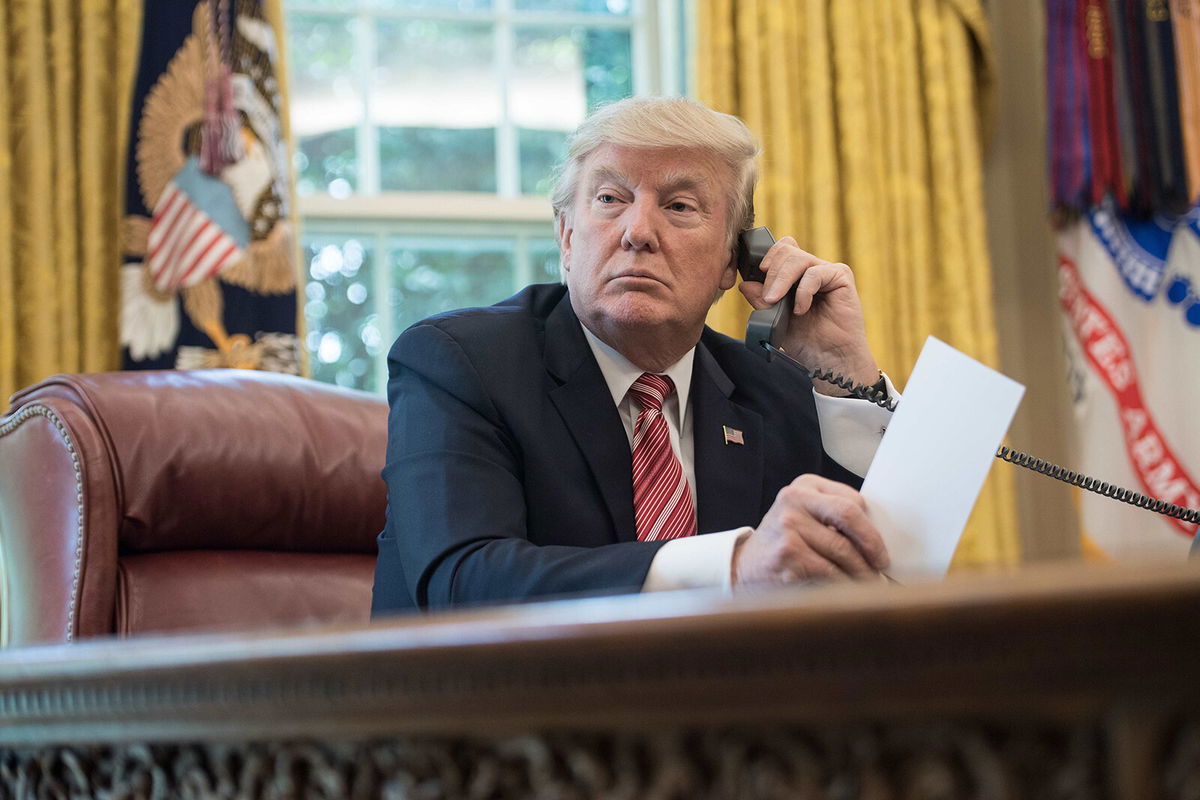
(325,104)
(343,335)
(540,151)
(333,5)
(547,90)
(559,72)
(592,6)
(388,5)
(436,97)
(607,60)
(430,275)
(543,253)
(326,163)
(434,5)
(437,159)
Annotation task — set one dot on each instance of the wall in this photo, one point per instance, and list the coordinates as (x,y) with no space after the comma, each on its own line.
(1022,249)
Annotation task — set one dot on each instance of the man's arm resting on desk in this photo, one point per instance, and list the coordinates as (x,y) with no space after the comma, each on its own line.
(851,430)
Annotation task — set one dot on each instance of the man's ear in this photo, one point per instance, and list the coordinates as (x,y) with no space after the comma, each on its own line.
(729,275)
(564,241)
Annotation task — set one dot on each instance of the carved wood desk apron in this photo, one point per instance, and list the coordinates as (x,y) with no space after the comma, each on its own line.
(1067,682)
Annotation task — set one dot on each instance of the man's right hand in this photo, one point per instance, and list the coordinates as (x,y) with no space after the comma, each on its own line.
(816,529)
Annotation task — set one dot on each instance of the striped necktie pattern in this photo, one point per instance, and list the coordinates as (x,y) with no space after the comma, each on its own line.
(662,502)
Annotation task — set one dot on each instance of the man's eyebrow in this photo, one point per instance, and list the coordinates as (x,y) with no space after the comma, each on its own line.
(609,175)
(674,182)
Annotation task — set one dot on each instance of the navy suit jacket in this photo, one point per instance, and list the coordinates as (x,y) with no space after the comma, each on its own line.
(509,471)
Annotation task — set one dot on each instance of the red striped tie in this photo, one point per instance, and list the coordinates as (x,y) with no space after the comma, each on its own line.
(662,503)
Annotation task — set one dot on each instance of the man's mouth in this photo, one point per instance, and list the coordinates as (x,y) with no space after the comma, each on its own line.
(637,274)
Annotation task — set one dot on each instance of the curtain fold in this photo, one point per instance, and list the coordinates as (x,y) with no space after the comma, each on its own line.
(274,13)
(66,72)
(871,118)
(8,315)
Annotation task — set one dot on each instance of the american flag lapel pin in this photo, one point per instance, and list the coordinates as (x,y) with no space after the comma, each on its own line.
(733,435)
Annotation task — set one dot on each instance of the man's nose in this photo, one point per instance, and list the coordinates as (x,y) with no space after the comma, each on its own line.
(641,226)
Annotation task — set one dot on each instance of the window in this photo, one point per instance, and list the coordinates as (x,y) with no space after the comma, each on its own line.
(426,131)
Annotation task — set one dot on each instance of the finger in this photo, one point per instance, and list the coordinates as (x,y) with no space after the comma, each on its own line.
(784,263)
(802,559)
(786,247)
(780,281)
(839,551)
(817,279)
(753,292)
(848,516)
(825,485)
(806,290)
(815,567)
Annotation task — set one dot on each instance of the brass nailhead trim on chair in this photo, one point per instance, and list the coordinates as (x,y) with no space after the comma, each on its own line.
(10,426)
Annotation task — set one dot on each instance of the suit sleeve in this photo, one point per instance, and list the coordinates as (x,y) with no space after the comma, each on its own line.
(456,501)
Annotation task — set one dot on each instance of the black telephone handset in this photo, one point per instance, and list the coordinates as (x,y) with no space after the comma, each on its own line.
(767,324)
(764,336)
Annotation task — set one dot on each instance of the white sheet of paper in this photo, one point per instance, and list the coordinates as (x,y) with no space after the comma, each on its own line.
(932,461)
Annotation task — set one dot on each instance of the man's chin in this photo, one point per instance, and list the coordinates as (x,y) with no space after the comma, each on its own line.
(641,310)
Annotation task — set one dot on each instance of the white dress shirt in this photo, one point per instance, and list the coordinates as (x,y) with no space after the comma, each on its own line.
(850,432)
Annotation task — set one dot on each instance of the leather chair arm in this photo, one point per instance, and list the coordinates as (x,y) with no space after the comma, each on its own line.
(58,525)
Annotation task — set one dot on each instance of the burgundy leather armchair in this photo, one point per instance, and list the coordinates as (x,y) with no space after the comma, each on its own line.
(138,502)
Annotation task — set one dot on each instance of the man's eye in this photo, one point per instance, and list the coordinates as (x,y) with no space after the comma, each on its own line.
(679,206)
(606,198)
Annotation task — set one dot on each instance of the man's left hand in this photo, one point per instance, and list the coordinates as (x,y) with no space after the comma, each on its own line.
(826,328)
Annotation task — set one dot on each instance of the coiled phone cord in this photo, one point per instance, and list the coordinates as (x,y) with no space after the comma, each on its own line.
(1005,453)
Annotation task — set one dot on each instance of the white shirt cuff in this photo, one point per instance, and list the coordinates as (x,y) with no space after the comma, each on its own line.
(695,562)
(851,429)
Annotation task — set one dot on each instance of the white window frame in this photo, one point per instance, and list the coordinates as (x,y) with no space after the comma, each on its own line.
(658,68)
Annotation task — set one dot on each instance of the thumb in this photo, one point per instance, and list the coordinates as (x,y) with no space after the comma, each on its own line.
(753,292)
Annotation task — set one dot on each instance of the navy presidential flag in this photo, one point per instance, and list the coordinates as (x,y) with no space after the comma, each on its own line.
(209,274)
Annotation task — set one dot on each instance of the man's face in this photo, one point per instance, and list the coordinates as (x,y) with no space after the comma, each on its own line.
(644,244)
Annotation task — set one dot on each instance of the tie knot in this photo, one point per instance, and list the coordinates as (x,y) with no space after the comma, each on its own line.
(651,390)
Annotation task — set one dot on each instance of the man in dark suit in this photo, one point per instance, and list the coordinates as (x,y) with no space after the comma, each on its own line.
(573,439)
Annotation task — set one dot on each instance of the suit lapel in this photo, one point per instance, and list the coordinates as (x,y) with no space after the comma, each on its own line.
(729,477)
(585,404)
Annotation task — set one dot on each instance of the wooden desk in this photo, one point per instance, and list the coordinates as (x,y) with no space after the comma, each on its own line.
(1067,682)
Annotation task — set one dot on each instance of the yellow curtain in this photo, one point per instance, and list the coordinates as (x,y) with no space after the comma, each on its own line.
(66,72)
(273,12)
(870,116)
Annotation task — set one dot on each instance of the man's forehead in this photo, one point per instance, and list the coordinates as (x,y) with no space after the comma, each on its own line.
(666,167)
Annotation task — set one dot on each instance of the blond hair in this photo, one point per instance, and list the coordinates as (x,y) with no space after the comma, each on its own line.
(674,122)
